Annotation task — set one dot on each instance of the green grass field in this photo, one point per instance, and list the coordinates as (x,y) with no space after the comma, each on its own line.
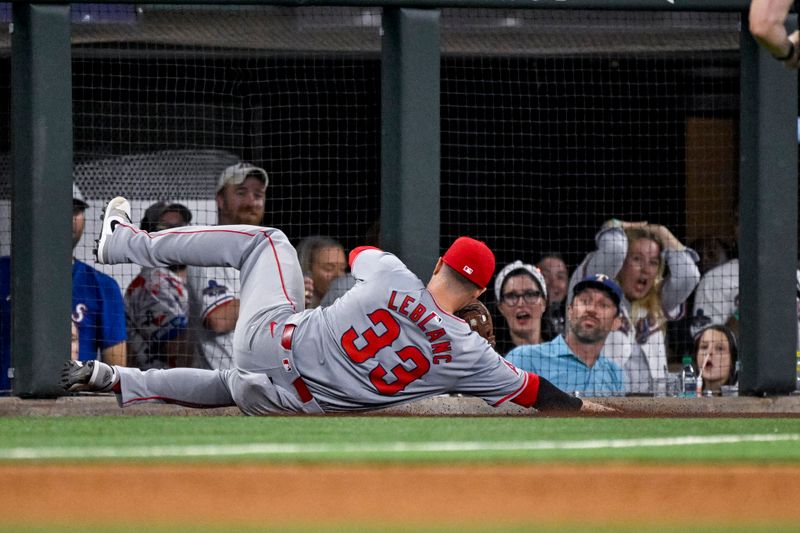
(392,439)
(457,443)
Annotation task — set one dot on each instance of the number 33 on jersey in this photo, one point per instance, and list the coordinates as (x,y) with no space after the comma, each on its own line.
(400,346)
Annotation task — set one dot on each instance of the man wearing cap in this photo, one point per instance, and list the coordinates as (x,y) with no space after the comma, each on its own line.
(97,307)
(157,302)
(389,340)
(576,363)
(214,292)
(521,294)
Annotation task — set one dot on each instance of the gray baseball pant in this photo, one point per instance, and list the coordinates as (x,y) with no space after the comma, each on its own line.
(272,291)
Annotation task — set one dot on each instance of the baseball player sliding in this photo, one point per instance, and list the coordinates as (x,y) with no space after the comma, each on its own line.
(389,340)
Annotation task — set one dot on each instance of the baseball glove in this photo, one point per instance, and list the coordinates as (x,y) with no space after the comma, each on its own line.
(479,320)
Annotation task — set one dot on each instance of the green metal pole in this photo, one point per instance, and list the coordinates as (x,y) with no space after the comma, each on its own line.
(768,222)
(410,159)
(41,234)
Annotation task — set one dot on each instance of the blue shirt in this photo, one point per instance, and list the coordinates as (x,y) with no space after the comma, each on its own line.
(97,309)
(555,362)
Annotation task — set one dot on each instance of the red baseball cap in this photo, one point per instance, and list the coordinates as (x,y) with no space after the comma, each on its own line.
(472,259)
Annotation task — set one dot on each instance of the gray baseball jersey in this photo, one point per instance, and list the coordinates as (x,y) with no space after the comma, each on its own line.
(384,342)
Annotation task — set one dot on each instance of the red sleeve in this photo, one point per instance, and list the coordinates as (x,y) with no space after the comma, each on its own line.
(355,251)
(530,391)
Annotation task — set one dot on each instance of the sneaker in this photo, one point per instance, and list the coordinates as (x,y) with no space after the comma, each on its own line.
(118,211)
(92,376)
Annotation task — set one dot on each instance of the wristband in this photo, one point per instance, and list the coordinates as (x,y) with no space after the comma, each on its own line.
(789,54)
(551,398)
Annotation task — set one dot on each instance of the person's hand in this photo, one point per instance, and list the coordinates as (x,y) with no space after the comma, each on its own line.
(794,60)
(309,295)
(596,408)
(662,232)
(640,224)
(616,223)
(479,320)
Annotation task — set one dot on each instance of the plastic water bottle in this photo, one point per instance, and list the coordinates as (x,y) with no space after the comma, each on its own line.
(688,378)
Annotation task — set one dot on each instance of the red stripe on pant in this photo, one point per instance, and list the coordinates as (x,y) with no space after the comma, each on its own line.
(299,385)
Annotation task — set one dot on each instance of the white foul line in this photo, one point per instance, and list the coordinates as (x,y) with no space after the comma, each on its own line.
(223,450)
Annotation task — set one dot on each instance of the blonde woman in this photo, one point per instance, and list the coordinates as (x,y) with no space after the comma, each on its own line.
(637,255)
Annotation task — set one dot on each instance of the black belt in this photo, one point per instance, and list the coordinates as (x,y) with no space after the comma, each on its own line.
(299,385)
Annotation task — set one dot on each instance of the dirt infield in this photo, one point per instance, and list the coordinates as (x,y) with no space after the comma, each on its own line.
(401,495)
(490,495)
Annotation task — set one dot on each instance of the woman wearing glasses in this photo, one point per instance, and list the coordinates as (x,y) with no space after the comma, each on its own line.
(639,255)
(521,294)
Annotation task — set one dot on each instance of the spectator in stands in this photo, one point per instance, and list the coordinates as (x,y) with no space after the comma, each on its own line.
(715,355)
(338,287)
(97,308)
(556,277)
(214,291)
(322,260)
(716,301)
(766,20)
(521,294)
(157,303)
(713,251)
(575,362)
(637,255)
(97,305)
(173,215)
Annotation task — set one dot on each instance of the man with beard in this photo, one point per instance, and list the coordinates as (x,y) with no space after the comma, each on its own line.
(214,291)
(576,363)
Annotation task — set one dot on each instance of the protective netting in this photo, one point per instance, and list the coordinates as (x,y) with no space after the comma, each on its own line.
(553,122)
(626,116)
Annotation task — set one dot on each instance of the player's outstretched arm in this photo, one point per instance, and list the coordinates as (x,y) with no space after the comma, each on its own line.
(551,398)
(592,407)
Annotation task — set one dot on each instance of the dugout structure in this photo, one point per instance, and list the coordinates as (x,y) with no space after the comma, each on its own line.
(524,125)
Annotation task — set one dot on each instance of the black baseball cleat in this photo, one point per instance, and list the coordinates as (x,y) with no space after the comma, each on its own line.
(118,211)
(92,376)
